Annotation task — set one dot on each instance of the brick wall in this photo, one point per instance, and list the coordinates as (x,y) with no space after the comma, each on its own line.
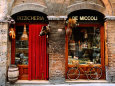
(111,49)
(57,52)
(113,5)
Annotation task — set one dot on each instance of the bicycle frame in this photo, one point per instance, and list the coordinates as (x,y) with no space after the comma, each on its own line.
(85,72)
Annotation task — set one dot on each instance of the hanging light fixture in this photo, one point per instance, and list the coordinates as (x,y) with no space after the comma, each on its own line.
(24,35)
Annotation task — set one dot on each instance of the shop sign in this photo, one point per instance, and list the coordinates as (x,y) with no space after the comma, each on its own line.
(85,18)
(30,17)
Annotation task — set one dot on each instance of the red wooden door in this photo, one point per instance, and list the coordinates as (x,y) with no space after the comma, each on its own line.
(38,59)
(23,72)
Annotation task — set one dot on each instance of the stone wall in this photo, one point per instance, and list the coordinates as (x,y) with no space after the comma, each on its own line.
(57,52)
(3,9)
(3,53)
(111,49)
(18,2)
(57,7)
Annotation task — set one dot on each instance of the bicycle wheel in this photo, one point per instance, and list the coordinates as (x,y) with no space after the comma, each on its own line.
(95,73)
(73,73)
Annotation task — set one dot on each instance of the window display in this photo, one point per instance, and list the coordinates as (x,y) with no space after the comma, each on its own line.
(21,54)
(84,45)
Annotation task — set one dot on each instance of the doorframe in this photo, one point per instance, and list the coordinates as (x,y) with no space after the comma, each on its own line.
(102,47)
(13,47)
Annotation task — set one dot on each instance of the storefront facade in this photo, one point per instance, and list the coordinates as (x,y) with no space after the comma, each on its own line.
(49,57)
(86,43)
(28,47)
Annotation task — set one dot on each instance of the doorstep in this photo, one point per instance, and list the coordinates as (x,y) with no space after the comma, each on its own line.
(67,81)
(33,81)
(47,83)
(86,81)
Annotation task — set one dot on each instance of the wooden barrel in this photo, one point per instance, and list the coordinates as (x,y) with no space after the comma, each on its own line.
(13,73)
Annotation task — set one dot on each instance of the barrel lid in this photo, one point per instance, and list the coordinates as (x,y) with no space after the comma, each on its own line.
(13,66)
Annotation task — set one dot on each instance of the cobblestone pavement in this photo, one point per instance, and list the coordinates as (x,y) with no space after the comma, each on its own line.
(67,83)
(86,84)
(77,84)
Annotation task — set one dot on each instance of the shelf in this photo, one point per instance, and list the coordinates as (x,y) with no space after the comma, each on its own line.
(22,48)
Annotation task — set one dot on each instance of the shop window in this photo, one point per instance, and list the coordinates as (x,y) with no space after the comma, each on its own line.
(21,49)
(84,45)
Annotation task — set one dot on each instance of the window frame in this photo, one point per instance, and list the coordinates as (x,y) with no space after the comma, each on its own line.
(102,65)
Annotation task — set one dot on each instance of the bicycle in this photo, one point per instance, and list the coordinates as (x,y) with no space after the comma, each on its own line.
(94,72)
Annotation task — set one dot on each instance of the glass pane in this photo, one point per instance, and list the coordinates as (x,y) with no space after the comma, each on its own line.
(84,45)
(21,54)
